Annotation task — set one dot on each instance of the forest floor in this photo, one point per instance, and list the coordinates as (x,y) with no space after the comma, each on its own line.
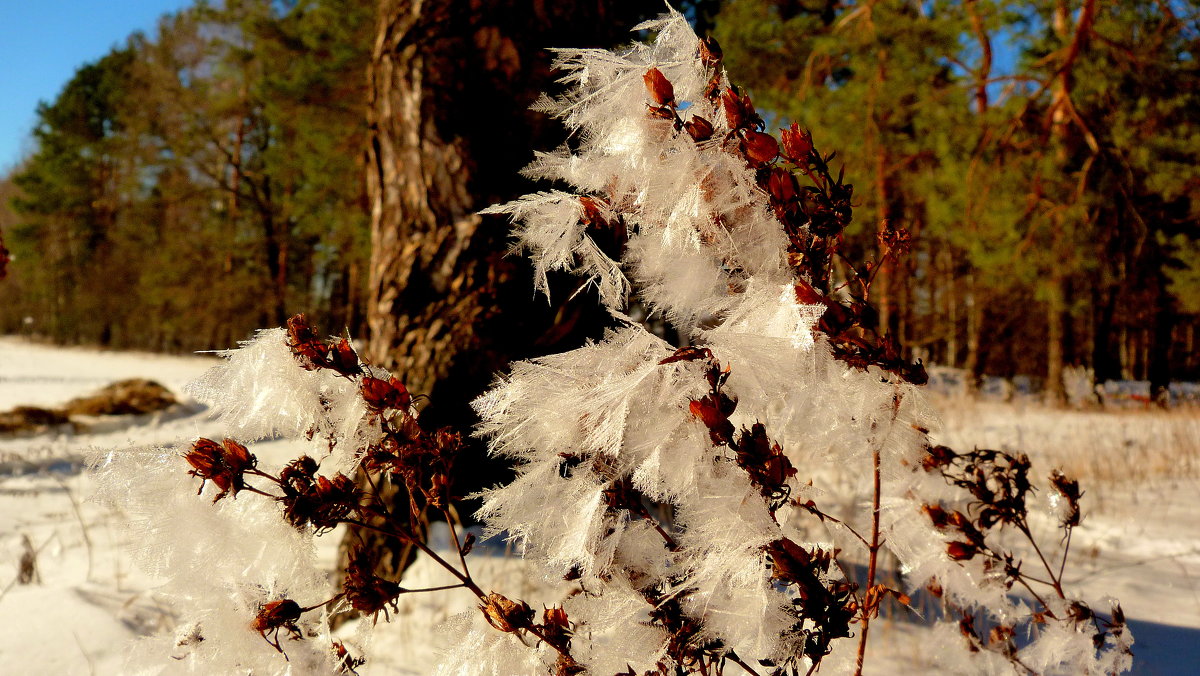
(1140,540)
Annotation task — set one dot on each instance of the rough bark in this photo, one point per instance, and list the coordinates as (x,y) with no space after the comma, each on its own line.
(450,85)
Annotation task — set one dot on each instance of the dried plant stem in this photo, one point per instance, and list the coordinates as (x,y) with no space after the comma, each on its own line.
(644,513)
(334,598)
(1046,564)
(873,550)
(462,558)
(463,577)
(466,580)
(875,545)
(741,663)
(1062,565)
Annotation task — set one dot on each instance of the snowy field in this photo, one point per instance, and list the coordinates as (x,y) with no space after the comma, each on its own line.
(1140,541)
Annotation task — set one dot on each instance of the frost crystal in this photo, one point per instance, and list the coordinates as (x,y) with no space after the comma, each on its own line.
(701,248)
(707,500)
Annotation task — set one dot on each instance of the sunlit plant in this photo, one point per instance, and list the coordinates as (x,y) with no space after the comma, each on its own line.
(678,486)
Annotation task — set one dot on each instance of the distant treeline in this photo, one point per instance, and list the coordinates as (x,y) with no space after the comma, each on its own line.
(198,183)
(1043,157)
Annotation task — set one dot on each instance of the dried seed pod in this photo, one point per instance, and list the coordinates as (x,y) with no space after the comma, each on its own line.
(961,551)
(660,87)
(797,144)
(769,468)
(698,128)
(555,627)
(318,500)
(223,464)
(1068,489)
(731,103)
(759,148)
(714,410)
(382,394)
(276,615)
(308,349)
(781,186)
(366,591)
(343,359)
(505,614)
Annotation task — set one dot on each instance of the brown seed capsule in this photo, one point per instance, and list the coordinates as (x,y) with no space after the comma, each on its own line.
(732,104)
(659,87)
(343,359)
(698,128)
(714,410)
(505,614)
(797,144)
(961,551)
(781,186)
(276,615)
(382,394)
(940,517)
(759,148)
(223,464)
(366,591)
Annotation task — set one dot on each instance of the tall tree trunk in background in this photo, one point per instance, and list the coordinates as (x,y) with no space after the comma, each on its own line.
(1055,330)
(881,292)
(1064,128)
(973,364)
(450,87)
(3,257)
(1158,368)
(1106,365)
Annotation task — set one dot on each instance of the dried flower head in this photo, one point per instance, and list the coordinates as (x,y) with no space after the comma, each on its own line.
(1068,490)
(321,501)
(505,614)
(223,464)
(382,394)
(659,87)
(276,615)
(366,591)
(759,148)
(797,144)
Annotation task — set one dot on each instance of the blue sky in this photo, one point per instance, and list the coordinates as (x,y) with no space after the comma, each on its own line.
(42,42)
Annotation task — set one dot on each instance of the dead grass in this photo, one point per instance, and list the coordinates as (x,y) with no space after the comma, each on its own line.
(1097,446)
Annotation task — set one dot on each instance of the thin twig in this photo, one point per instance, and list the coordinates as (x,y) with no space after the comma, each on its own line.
(876,499)
(738,661)
(1046,564)
(462,558)
(1062,565)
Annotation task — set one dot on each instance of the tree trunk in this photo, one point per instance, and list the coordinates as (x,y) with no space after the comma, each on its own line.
(974,363)
(1106,364)
(1158,368)
(450,84)
(1055,329)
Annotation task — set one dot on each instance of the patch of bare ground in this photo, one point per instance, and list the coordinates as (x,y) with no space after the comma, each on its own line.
(135,396)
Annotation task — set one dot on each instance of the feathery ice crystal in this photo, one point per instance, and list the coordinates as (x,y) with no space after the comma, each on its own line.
(787,442)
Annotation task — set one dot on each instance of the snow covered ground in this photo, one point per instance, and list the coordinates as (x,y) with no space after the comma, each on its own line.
(1140,541)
